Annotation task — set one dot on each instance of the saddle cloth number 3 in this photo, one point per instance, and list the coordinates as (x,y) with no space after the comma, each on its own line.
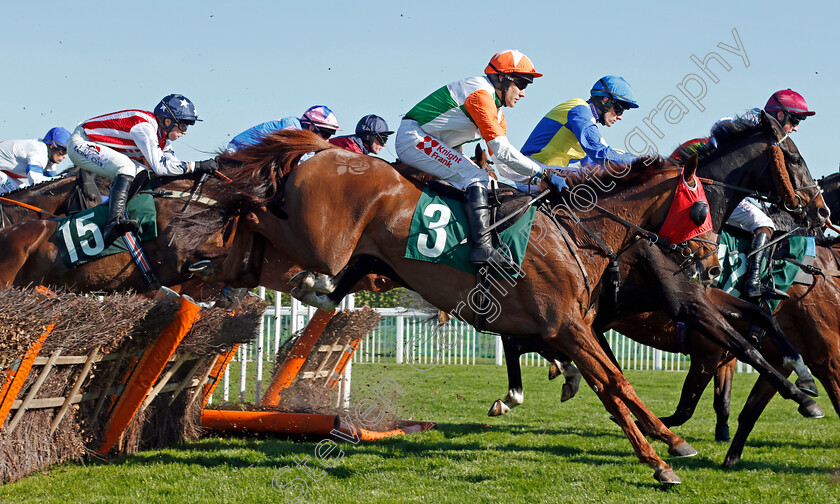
(437,227)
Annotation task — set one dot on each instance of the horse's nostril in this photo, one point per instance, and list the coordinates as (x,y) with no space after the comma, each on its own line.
(824,213)
(714,272)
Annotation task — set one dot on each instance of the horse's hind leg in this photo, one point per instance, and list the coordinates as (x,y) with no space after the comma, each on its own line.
(758,399)
(514,348)
(723,394)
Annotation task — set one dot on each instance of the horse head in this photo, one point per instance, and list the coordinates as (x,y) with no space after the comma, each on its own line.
(800,194)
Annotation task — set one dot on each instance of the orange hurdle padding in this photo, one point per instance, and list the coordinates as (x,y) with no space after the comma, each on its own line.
(298,423)
(298,354)
(15,378)
(268,421)
(222,362)
(343,360)
(147,372)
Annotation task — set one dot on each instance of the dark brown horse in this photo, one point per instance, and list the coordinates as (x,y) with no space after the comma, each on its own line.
(75,191)
(743,159)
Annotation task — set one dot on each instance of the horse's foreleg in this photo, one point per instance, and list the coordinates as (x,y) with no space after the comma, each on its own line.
(569,372)
(738,309)
(726,336)
(698,377)
(723,394)
(758,399)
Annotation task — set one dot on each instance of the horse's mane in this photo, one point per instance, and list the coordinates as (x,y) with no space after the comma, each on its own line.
(641,170)
(248,179)
(725,132)
(259,169)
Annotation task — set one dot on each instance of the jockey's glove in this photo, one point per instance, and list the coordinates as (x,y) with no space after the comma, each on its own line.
(557,182)
(207,166)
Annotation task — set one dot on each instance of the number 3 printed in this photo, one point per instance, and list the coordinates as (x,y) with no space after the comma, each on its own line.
(437,227)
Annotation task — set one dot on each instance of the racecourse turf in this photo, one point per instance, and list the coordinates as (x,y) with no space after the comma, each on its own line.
(543,451)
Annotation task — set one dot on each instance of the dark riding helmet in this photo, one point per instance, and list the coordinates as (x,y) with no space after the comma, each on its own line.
(372,127)
(178,108)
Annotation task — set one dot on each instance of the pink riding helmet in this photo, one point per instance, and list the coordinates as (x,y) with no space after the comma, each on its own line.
(789,101)
(321,116)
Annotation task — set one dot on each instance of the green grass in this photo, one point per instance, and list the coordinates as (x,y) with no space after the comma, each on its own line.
(543,451)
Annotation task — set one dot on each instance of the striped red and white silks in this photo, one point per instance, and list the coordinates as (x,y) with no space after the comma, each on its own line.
(113,130)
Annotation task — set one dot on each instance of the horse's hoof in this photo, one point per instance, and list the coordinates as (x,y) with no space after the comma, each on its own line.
(682,450)
(667,476)
(812,410)
(319,301)
(554,370)
(731,461)
(199,266)
(499,408)
(722,433)
(303,280)
(807,386)
(567,392)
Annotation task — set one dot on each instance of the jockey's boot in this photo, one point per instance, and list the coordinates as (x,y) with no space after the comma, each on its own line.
(753,288)
(478,215)
(118,224)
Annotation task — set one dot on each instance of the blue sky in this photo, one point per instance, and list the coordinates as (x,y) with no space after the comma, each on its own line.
(247,62)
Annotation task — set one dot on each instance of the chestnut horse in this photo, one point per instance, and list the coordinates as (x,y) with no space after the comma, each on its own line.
(323,226)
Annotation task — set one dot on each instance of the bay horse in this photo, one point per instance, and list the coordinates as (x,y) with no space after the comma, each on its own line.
(76,190)
(810,319)
(741,160)
(323,226)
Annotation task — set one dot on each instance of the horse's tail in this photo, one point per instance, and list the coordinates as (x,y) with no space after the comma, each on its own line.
(264,165)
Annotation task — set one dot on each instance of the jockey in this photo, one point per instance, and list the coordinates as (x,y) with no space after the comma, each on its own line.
(431,134)
(120,145)
(789,108)
(569,133)
(371,136)
(26,162)
(319,119)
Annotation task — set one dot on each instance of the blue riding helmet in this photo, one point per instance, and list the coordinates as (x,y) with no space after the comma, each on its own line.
(615,88)
(177,107)
(57,136)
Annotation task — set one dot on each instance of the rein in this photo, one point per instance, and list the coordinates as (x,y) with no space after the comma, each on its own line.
(28,207)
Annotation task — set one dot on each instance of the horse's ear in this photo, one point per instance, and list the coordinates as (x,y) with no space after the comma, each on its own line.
(690,169)
(480,155)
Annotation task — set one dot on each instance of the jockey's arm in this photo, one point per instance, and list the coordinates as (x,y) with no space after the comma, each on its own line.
(512,165)
(39,169)
(597,150)
(161,161)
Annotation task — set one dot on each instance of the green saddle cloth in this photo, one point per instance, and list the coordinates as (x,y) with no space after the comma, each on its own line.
(80,235)
(440,224)
(732,254)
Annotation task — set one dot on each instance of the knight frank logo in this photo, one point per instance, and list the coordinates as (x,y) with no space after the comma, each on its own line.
(427,145)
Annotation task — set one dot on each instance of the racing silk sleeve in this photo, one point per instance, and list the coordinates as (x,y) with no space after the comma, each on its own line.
(161,161)
(38,166)
(483,109)
(582,123)
(37,174)
(512,164)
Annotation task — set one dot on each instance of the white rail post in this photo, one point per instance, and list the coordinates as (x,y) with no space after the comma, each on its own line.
(293,324)
(657,359)
(243,377)
(499,350)
(400,321)
(260,344)
(278,322)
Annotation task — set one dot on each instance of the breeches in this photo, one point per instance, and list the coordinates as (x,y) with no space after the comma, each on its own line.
(99,159)
(429,154)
